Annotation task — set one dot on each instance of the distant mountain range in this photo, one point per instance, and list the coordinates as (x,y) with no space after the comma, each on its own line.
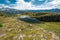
(51,10)
(15,11)
(11,11)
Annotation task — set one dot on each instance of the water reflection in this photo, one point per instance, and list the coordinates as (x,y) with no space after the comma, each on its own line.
(29,19)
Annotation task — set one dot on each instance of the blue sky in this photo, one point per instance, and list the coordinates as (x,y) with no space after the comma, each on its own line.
(31,4)
(35,2)
(27,0)
(7,2)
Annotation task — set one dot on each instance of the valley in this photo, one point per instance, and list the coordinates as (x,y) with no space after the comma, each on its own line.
(14,29)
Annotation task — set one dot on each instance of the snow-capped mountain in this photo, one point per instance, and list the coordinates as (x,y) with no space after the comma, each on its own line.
(11,11)
(15,11)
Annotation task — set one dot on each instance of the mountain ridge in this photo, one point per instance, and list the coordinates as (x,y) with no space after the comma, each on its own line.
(16,11)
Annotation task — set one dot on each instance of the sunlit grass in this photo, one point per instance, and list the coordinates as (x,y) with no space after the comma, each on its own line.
(13,27)
(51,26)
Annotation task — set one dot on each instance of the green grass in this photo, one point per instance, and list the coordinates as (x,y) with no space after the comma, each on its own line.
(13,28)
(51,26)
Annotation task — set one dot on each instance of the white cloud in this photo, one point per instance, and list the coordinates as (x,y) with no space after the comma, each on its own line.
(3,6)
(56,2)
(21,5)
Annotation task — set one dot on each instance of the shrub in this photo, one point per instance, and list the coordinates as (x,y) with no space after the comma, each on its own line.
(1,24)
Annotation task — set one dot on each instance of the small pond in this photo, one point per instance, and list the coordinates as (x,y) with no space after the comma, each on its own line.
(28,19)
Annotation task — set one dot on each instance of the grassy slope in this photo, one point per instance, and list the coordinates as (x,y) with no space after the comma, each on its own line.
(52,26)
(12,28)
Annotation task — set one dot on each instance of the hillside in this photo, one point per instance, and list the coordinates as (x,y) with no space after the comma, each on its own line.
(15,29)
